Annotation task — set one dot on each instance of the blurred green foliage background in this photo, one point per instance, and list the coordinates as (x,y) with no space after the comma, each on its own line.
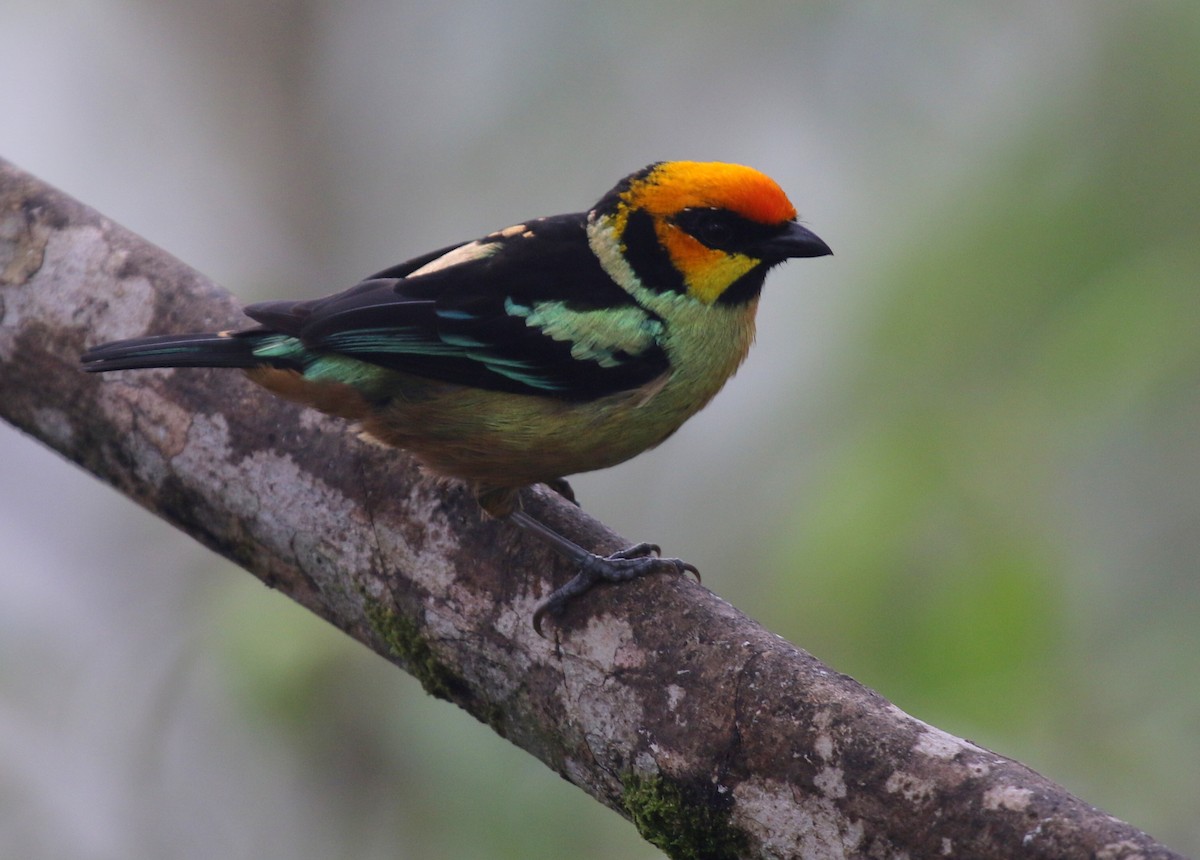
(962,464)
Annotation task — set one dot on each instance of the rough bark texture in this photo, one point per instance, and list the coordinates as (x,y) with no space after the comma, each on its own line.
(715,737)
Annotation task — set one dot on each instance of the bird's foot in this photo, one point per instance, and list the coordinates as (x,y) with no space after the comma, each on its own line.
(560,486)
(622,566)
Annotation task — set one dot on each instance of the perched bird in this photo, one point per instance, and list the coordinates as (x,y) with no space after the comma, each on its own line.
(555,346)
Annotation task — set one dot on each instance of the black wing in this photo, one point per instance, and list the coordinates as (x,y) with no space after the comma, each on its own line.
(527,310)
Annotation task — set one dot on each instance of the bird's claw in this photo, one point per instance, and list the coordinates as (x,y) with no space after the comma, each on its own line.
(650,551)
(622,566)
(560,486)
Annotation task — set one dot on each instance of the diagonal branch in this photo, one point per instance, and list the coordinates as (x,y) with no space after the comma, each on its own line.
(717,738)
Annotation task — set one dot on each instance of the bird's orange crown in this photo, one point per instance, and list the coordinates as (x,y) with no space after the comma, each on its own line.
(671,186)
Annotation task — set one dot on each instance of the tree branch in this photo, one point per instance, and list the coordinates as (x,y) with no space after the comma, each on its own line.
(717,738)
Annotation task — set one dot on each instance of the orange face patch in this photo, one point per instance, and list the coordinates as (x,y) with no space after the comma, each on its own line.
(707,272)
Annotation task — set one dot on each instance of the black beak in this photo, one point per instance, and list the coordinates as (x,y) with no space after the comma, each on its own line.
(794,241)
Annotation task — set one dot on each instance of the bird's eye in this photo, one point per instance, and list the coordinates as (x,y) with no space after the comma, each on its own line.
(714,231)
(711,226)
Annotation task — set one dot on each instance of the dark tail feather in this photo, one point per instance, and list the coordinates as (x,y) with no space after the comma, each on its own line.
(175,350)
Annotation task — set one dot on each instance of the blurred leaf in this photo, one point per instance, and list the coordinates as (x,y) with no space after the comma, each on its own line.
(1034,326)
